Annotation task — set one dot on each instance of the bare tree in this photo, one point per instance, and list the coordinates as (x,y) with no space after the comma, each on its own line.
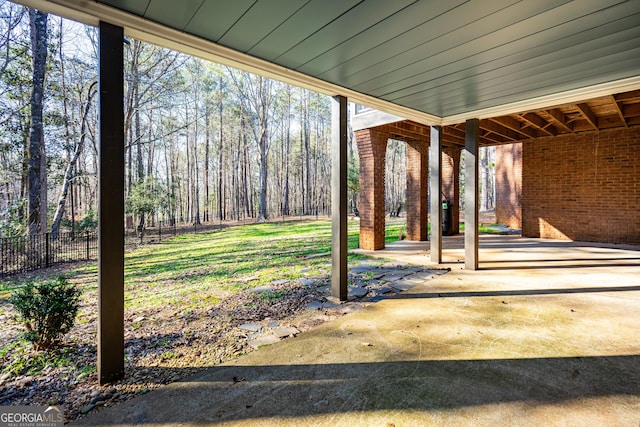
(256,93)
(37,167)
(68,176)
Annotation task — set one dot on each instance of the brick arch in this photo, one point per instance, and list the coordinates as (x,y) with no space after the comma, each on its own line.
(372,147)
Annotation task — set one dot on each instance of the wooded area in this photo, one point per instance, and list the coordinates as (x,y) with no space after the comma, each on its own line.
(204,142)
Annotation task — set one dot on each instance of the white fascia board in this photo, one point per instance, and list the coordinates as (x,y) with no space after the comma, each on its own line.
(548,101)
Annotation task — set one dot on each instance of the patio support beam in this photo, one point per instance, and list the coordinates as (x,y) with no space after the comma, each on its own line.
(339,243)
(111,205)
(435,186)
(471,211)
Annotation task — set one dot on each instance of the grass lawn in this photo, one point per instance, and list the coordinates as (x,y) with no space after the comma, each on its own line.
(173,285)
(201,268)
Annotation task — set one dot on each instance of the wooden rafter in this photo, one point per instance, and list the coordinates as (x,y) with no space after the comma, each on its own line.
(490,138)
(632,110)
(515,125)
(499,129)
(628,96)
(558,118)
(586,112)
(453,135)
(538,122)
(618,109)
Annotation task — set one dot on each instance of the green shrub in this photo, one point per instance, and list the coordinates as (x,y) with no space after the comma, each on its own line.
(47,310)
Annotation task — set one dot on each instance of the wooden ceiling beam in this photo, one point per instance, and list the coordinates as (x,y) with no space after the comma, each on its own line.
(619,111)
(558,118)
(453,140)
(587,113)
(493,138)
(499,129)
(632,110)
(538,122)
(634,121)
(516,126)
(628,96)
(452,130)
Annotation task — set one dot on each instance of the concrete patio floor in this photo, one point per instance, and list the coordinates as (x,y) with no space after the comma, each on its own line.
(546,333)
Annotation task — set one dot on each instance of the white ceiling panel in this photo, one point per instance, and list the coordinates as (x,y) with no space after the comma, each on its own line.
(214,19)
(438,58)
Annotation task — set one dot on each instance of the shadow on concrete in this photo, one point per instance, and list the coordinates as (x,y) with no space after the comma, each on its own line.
(533,265)
(238,393)
(524,292)
(632,262)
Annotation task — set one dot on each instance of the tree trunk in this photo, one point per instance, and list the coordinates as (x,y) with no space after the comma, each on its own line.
(207,138)
(221,192)
(37,167)
(306,126)
(285,192)
(68,176)
(483,179)
(264,159)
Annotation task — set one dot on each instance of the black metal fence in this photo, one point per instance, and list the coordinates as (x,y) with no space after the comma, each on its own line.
(157,231)
(29,253)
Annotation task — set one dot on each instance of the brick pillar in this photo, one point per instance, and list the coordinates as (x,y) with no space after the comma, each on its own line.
(509,185)
(451,181)
(372,147)
(417,190)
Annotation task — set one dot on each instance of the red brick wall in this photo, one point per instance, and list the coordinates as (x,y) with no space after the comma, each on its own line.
(451,181)
(509,185)
(372,148)
(417,190)
(583,187)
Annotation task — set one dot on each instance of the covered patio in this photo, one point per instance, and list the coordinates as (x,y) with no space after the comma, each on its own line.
(438,64)
(546,335)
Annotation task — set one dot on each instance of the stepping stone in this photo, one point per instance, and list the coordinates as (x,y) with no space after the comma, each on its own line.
(395,276)
(273,325)
(260,289)
(252,327)
(314,305)
(358,292)
(264,340)
(329,305)
(285,332)
(307,282)
(280,282)
(402,285)
(324,289)
(362,269)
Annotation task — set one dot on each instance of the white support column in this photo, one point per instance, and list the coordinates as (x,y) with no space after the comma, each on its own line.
(339,242)
(471,211)
(435,186)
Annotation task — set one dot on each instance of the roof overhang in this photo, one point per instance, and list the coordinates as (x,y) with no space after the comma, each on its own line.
(140,27)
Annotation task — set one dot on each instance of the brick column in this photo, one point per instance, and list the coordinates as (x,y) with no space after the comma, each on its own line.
(451,181)
(509,185)
(372,147)
(417,190)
